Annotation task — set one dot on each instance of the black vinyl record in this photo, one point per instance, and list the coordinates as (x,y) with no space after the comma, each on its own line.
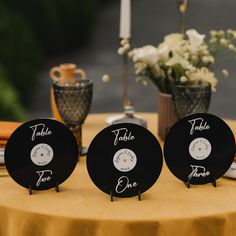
(199,148)
(124,160)
(41,154)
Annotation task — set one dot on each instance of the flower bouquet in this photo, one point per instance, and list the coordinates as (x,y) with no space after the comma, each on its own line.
(183,60)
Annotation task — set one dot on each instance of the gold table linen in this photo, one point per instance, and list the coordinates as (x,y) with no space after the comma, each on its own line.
(168,208)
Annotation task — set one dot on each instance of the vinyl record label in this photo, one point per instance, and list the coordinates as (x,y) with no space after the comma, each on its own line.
(199,148)
(41,154)
(124,160)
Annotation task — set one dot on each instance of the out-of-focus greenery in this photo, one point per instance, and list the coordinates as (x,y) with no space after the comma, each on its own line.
(20,53)
(57,24)
(9,101)
(29,31)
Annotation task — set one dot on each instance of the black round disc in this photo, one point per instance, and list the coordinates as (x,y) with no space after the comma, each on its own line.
(124,160)
(199,148)
(41,154)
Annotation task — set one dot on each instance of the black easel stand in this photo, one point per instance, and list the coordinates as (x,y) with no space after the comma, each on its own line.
(139,196)
(30,190)
(57,189)
(188,183)
(213,182)
(112,197)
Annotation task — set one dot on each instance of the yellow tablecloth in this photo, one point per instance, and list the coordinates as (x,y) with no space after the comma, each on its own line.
(168,208)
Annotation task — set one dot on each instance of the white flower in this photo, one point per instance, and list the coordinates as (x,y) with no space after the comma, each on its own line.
(124,41)
(203,74)
(183,79)
(205,59)
(208,59)
(195,38)
(225,72)
(231,46)
(213,33)
(186,55)
(106,78)
(194,58)
(213,40)
(221,33)
(173,42)
(144,82)
(223,41)
(140,68)
(147,54)
(131,54)
(121,51)
(163,52)
(211,59)
(176,59)
(231,32)
(126,47)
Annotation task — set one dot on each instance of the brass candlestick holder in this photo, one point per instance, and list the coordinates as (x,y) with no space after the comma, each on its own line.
(128,116)
(126,101)
(182,8)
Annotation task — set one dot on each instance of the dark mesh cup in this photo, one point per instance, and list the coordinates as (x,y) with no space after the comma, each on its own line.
(194,98)
(73,102)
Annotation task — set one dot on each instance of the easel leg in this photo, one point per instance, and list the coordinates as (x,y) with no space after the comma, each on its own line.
(57,188)
(213,182)
(187,184)
(139,196)
(30,190)
(111,195)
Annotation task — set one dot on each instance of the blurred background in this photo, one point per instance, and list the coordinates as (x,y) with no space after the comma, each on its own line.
(37,35)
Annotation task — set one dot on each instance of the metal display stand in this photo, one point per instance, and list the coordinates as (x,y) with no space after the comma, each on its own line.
(139,196)
(188,183)
(57,189)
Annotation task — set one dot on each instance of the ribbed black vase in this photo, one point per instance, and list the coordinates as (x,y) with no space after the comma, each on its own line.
(191,98)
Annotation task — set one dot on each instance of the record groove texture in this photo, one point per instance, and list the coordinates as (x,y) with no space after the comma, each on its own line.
(124,160)
(41,154)
(199,148)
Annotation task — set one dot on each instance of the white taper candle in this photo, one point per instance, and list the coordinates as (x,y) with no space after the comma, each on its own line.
(125,19)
